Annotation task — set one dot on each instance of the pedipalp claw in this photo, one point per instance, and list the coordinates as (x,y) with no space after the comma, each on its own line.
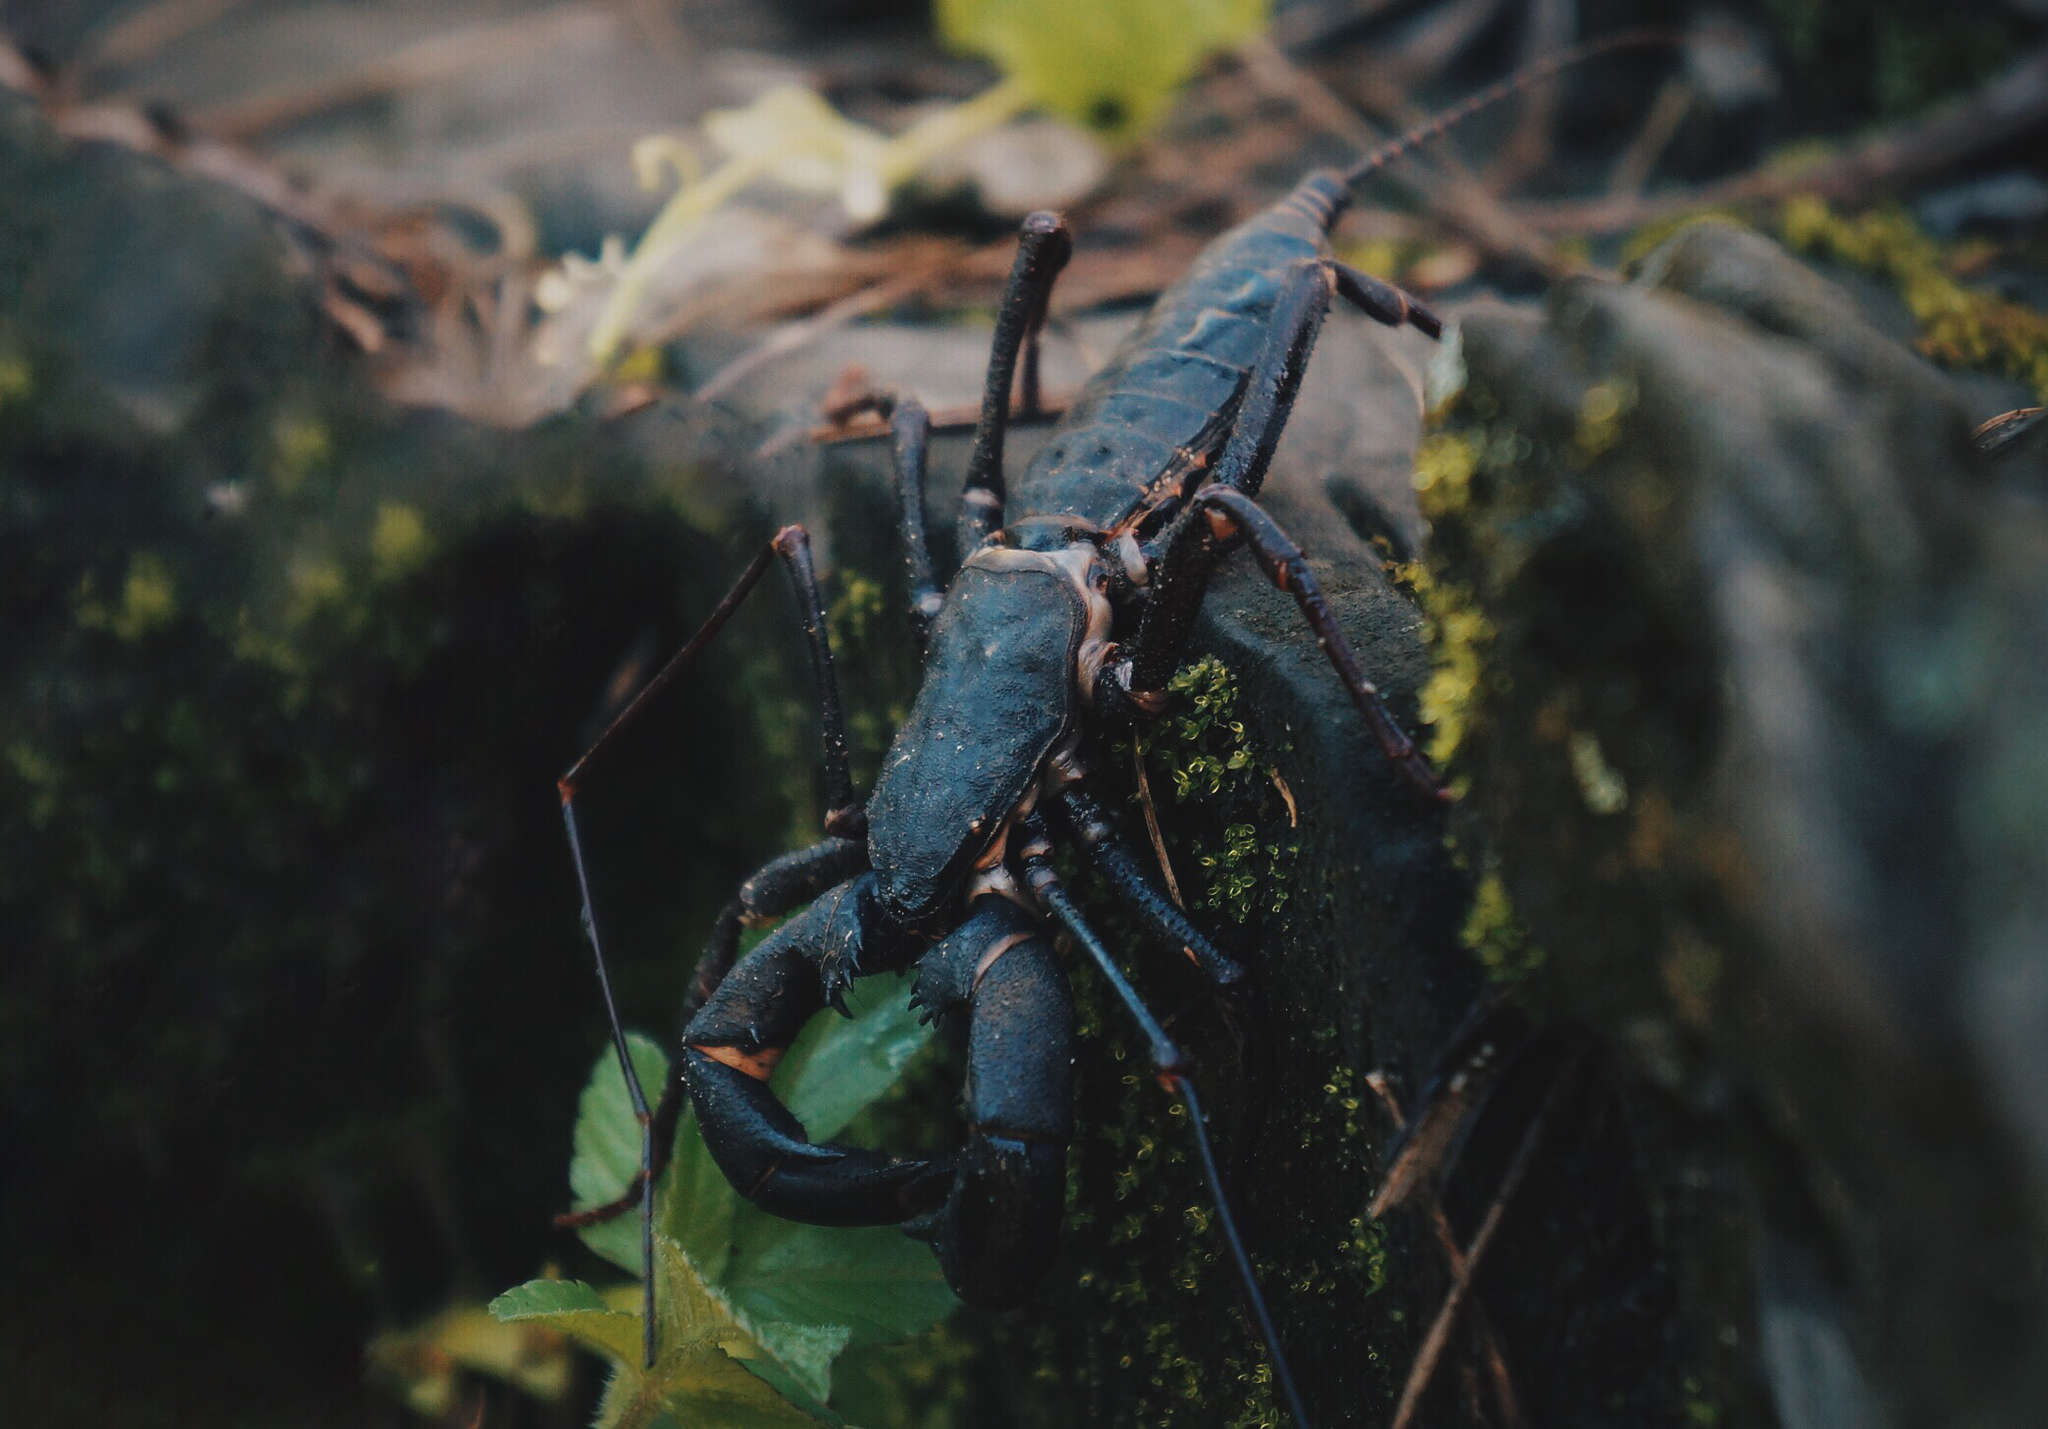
(836,974)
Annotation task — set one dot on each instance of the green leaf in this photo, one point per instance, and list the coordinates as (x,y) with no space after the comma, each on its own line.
(789,1297)
(577,1311)
(873,1280)
(876,1282)
(607,1146)
(804,1352)
(546,1297)
(791,1388)
(701,1374)
(837,1067)
(1109,64)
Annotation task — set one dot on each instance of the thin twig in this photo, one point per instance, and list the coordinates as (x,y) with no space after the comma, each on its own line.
(1667,111)
(792,337)
(1286,797)
(1444,187)
(1300,27)
(2009,107)
(1279,77)
(1152,827)
(1441,37)
(127,127)
(349,228)
(1548,29)
(1439,1334)
(1483,1332)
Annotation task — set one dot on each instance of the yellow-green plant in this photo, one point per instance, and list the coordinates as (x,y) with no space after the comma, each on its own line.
(1111,65)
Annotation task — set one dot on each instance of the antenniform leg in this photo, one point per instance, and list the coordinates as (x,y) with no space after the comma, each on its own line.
(1240,999)
(1171,1067)
(732,1047)
(843,819)
(793,545)
(1001,1224)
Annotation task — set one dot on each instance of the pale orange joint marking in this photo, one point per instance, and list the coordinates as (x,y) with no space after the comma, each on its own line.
(991,953)
(758,1065)
(1220,524)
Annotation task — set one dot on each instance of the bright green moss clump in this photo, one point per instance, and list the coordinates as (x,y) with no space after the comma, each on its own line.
(1212,764)
(1494,935)
(1201,742)
(1459,632)
(399,543)
(1148,1330)
(17,378)
(148,601)
(1959,326)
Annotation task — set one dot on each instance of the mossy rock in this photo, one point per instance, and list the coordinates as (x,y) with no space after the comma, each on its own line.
(1755,628)
(300,1002)
(1353,911)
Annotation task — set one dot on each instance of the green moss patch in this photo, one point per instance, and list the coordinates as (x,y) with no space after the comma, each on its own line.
(1960,326)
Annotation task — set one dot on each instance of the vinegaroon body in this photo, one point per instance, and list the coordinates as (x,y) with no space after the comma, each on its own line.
(1077,590)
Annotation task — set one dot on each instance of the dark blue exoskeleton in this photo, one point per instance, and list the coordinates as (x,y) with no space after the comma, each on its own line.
(1070,609)
(1074,599)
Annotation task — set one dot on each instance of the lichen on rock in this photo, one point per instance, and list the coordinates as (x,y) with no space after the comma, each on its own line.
(1744,577)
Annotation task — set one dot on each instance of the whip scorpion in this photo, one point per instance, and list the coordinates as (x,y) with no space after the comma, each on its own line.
(1078,585)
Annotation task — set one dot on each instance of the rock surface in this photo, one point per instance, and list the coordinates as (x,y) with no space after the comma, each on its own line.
(1755,753)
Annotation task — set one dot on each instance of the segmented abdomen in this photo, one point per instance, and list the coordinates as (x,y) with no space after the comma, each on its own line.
(1166,384)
